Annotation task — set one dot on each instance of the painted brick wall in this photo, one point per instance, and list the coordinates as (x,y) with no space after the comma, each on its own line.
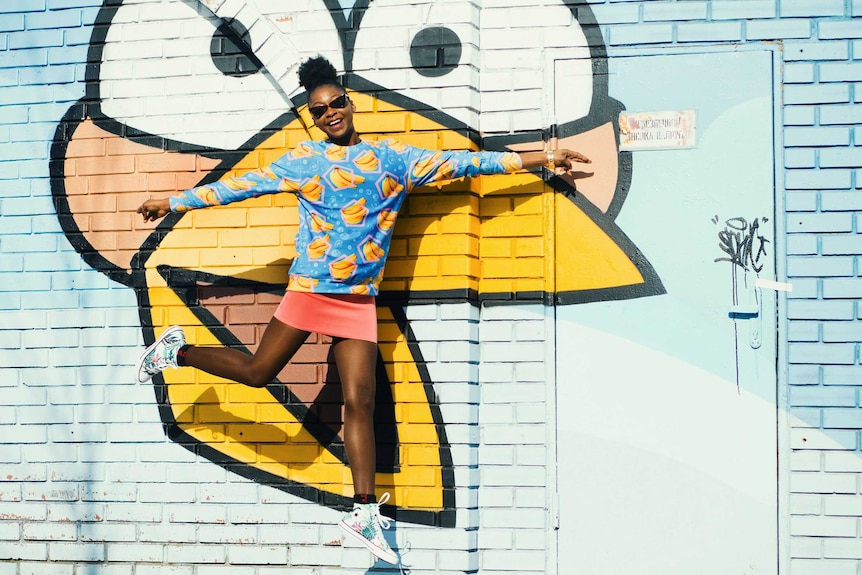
(90,483)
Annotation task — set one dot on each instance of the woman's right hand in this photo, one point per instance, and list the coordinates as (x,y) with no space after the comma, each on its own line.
(153,210)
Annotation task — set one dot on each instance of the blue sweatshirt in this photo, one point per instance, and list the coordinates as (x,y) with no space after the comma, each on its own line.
(349,197)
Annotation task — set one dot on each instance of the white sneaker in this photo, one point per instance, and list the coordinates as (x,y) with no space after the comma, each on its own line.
(365,524)
(161,355)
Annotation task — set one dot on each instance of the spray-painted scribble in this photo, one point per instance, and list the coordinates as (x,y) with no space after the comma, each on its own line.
(742,242)
(744,247)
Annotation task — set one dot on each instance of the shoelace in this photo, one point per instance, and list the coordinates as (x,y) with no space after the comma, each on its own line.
(381,519)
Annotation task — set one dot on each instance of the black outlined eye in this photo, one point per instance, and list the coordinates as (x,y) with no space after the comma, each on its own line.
(158,75)
(229,50)
(435,51)
(439,66)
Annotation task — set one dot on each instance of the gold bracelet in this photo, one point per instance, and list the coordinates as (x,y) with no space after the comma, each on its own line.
(551,165)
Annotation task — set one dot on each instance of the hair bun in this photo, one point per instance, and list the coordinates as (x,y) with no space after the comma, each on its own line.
(317,71)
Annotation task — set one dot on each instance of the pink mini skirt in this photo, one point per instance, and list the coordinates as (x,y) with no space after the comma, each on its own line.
(347,316)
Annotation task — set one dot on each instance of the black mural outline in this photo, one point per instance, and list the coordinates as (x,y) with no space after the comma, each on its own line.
(89,107)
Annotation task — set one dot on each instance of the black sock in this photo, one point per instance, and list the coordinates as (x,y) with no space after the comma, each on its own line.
(181,355)
(364,498)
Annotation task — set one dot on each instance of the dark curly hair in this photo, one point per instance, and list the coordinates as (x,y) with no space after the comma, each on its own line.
(316,72)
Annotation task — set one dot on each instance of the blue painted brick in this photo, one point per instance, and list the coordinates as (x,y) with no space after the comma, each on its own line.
(803,374)
(710,32)
(60,4)
(799,73)
(799,158)
(836,50)
(841,157)
(834,288)
(841,201)
(31,243)
(40,39)
(841,72)
(24,58)
(842,331)
(839,245)
(804,289)
(53,19)
(802,244)
(742,9)
(810,8)
(800,115)
(842,375)
(10,301)
(11,263)
(822,354)
(642,34)
(848,418)
(806,137)
(820,310)
(30,281)
(692,10)
(47,75)
(15,225)
(24,6)
(11,23)
(777,29)
(835,222)
(800,202)
(836,29)
(834,266)
(24,206)
(816,94)
(107,298)
(616,13)
(803,331)
(818,179)
(838,114)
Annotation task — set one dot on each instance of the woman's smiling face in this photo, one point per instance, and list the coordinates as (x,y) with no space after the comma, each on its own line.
(336,123)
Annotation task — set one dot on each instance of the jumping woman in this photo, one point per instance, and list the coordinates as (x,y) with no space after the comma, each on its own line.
(347,209)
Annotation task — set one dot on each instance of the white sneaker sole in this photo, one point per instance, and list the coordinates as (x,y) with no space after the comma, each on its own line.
(390,557)
(143,376)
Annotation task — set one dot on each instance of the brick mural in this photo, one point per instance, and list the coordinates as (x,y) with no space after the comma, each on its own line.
(105,105)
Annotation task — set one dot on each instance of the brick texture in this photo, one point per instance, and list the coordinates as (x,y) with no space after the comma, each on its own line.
(91,483)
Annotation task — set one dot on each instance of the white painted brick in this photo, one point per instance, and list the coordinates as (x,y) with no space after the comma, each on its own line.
(823,526)
(514,518)
(244,534)
(108,532)
(162,533)
(165,569)
(106,569)
(806,547)
(197,513)
(135,553)
(240,514)
(315,555)
(195,553)
(43,568)
(229,493)
(10,531)
(822,483)
(63,512)
(223,570)
(827,439)
(805,504)
(76,551)
(823,567)
(258,555)
(513,476)
(806,461)
(50,492)
(842,548)
(49,532)
(166,493)
(842,462)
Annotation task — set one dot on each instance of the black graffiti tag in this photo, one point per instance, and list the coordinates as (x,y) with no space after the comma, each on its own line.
(742,242)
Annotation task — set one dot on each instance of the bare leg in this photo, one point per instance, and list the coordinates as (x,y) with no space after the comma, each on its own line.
(277,346)
(357,361)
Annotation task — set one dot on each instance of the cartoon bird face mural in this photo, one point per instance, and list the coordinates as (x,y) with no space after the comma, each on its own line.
(181,93)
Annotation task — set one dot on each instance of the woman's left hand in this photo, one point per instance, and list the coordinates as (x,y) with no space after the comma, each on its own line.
(569,159)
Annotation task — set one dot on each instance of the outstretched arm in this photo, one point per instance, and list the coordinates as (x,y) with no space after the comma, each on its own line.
(558,159)
(281,176)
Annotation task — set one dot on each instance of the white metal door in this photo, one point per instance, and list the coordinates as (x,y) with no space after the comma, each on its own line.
(666,405)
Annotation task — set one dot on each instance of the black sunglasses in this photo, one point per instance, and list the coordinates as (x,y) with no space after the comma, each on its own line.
(338,104)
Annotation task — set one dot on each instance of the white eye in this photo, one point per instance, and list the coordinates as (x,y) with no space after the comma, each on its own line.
(174,69)
(443,65)
(525,51)
(438,67)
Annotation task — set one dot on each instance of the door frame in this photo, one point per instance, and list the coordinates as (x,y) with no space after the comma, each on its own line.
(780,247)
